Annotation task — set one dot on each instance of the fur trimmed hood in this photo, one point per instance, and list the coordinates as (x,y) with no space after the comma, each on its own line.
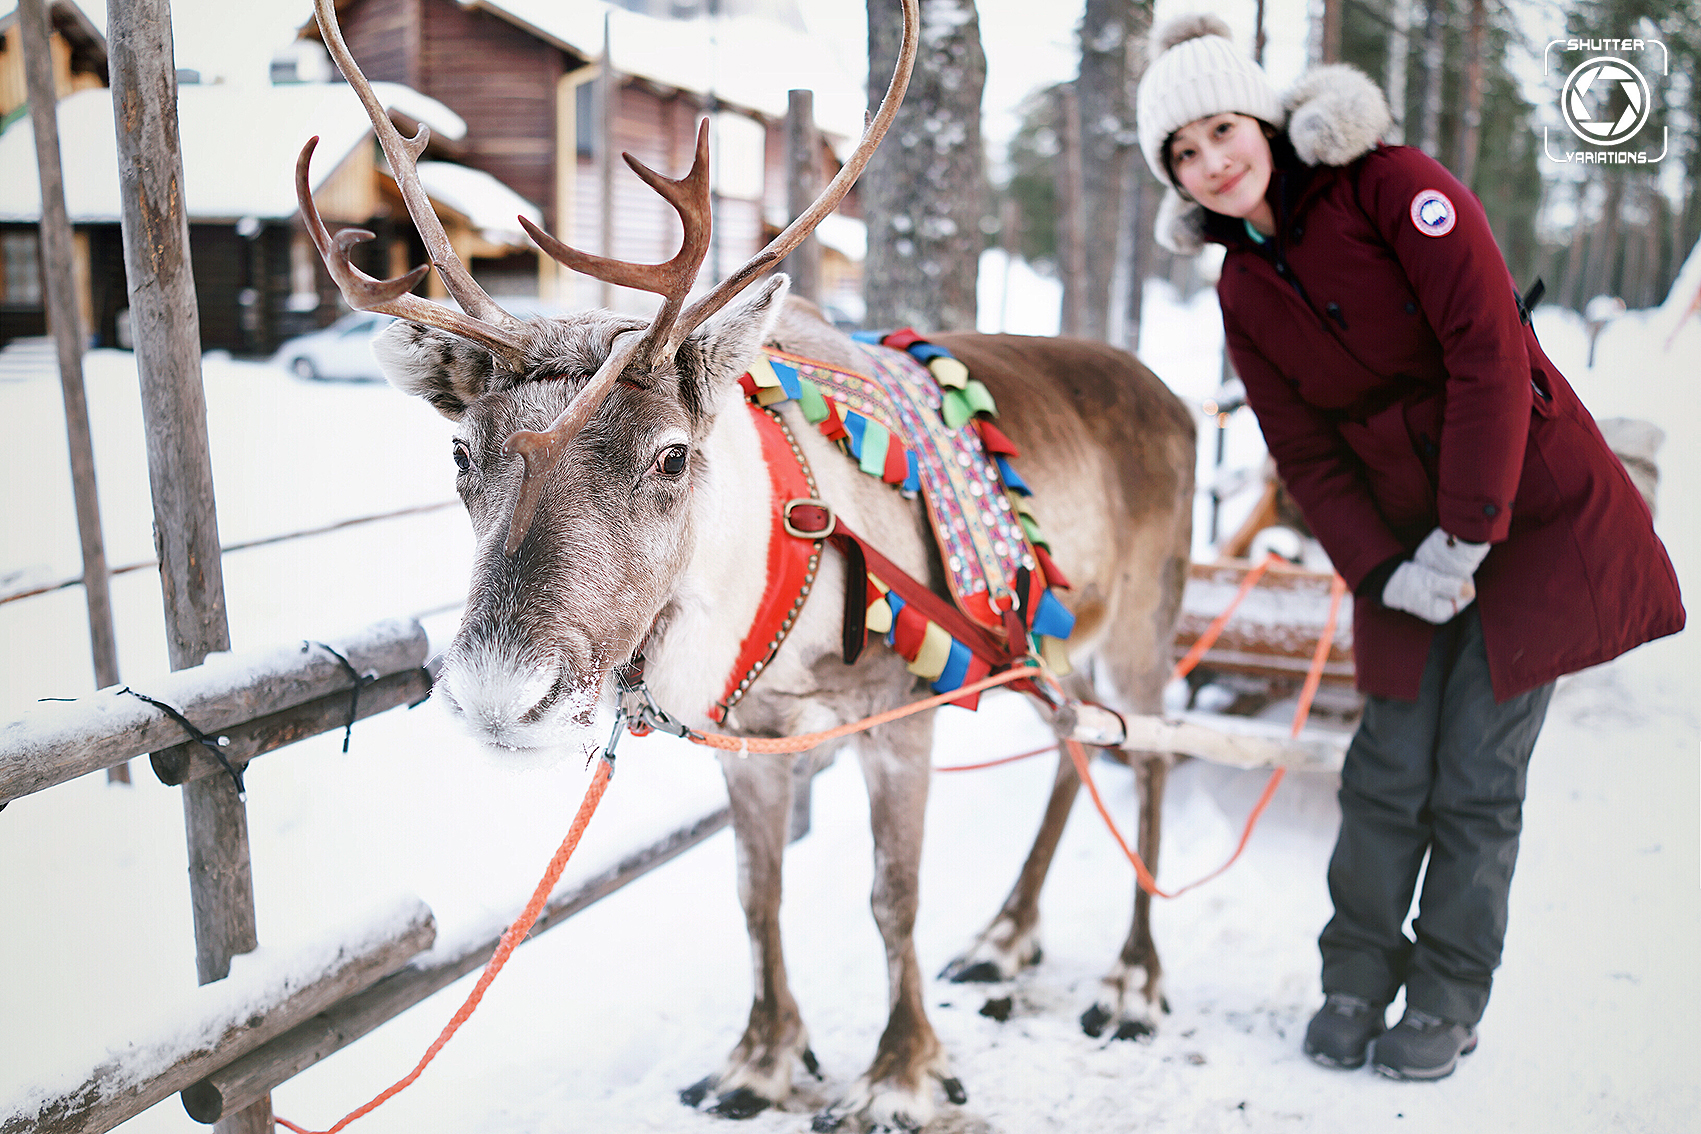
(1336,115)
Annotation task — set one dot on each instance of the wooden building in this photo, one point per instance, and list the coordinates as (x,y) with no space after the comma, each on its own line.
(524,75)
(79,63)
(510,91)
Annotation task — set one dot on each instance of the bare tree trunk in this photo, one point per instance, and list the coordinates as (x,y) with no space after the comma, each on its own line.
(161,286)
(1399,48)
(1434,75)
(803,184)
(1259,39)
(1470,129)
(922,192)
(1108,32)
(1071,234)
(1139,197)
(1601,275)
(58,271)
(1331,43)
(1571,282)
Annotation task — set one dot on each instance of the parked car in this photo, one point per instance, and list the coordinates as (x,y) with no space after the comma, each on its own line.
(343,350)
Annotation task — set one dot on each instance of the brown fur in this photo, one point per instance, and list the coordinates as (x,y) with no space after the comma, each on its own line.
(623,548)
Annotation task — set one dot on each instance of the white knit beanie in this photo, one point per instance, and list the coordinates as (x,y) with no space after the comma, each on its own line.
(1195,72)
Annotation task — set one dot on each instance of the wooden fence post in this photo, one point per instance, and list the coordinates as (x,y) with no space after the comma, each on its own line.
(167,332)
(62,317)
(803,185)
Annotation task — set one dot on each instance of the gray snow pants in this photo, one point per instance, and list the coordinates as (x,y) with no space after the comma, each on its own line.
(1443,776)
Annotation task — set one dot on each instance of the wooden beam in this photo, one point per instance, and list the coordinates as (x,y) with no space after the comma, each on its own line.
(58,741)
(96,1106)
(254,1075)
(183,763)
(59,263)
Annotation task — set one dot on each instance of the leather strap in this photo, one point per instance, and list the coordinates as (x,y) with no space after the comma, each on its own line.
(792,561)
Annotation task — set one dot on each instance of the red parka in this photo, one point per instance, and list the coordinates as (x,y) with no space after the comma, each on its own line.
(1399,389)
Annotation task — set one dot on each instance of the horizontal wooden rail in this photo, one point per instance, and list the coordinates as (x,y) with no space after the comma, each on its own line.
(246,1080)
(97,1105)
(59,741)
(304,533)
(181,763)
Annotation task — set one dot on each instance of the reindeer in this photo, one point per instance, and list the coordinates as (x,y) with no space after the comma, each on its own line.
(620,501)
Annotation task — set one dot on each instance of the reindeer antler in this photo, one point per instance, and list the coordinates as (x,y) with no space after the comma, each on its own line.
(484,321)
(672,280)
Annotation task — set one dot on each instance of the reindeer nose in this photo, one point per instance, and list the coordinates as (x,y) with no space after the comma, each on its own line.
(498,695)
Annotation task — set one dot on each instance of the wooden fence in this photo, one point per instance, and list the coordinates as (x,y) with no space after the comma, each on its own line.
(246,706)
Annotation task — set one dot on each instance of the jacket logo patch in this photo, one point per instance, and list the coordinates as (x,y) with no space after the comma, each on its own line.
(1433,213)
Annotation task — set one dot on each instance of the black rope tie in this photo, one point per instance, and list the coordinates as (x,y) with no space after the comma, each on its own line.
(216,747)
(359,679)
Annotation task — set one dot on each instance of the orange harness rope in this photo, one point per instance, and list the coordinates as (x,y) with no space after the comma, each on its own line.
(1337,589)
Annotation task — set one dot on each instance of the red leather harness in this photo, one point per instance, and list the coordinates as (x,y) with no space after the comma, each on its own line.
(800,522)
(792,561)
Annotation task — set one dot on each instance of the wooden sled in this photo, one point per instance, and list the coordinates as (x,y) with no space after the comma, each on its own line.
(1267,646)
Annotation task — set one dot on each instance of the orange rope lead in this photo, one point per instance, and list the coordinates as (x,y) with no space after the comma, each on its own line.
(1215,629)
(997,762)
(510,940)
(808,740)
(1313,678)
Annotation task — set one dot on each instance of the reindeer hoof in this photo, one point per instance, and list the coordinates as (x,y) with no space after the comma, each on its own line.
(1134,1030)
(954,1090)
(741,1103)
(899,1125)
(981,972)
(694,1095)
(812,1065)
(1094,1019)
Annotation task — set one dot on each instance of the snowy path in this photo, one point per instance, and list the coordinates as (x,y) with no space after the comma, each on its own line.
(595,1026)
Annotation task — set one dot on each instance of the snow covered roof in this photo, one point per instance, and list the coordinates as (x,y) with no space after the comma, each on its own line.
(844,234)
(239,148)
(747,61)
(487,203)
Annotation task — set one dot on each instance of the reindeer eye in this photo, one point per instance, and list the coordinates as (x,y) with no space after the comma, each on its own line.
(671,462)
(463,457)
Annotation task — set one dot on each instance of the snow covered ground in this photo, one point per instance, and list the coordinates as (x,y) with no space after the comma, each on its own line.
(595,1026)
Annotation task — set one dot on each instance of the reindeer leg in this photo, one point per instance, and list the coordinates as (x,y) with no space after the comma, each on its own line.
(1011,941)
(895,1093)
(1133,989)
(758,1072)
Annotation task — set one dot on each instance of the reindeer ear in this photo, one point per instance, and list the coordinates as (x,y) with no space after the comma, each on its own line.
(446,370)
(726,343)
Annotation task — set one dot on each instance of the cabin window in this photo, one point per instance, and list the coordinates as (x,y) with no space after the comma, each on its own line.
(585,118)
(22,253)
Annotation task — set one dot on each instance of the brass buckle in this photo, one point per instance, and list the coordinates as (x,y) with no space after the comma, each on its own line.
(793,530)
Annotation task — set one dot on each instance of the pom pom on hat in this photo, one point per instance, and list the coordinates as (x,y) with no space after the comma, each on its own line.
(1196,72)
(1183,28)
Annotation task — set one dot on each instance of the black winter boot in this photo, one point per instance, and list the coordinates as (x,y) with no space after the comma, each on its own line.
(1342,1029)
(1423,1047)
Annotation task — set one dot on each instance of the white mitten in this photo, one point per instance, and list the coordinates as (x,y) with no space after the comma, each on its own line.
(1449,555)
(1429,594)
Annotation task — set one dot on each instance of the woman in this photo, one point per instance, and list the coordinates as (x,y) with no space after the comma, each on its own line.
(1491,539)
